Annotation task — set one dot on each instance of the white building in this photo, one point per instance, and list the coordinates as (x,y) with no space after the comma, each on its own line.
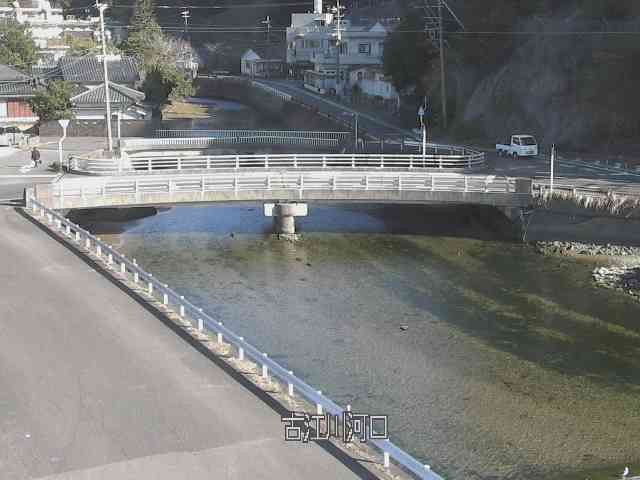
(313,55)
(372,81)
(48,26)
(262,63)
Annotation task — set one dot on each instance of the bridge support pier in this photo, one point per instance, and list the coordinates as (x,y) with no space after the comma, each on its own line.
(517,218)
(284,222)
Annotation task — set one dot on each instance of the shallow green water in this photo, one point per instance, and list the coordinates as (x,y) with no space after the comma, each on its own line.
(512,365)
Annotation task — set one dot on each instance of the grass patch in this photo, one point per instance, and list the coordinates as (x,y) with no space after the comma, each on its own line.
(176,110)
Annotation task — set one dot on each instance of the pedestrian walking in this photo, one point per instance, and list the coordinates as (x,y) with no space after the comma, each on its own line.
(35,157)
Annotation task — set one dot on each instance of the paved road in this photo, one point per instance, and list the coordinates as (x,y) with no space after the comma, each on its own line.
(373,125)
(93,386)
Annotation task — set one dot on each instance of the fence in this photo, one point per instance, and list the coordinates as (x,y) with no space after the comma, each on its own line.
(130,271)
(273,91)
(468,161)
(206,138)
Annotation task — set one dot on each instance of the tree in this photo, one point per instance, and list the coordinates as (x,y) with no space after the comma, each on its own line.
(53,102)
(17,47)
(79,47)
(408,54)
(145,38)
(158,56)
(166,82)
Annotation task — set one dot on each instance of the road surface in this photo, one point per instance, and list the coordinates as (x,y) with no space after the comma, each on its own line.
(94,386)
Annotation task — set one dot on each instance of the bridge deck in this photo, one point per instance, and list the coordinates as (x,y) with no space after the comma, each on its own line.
(93,385)
(274,185)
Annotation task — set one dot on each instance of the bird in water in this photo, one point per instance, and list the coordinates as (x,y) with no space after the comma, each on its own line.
(625,473)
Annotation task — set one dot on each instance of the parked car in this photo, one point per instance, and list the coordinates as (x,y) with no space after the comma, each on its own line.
(10,136)
(519,146)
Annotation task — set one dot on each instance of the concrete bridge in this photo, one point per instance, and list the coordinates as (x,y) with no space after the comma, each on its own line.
(287,186)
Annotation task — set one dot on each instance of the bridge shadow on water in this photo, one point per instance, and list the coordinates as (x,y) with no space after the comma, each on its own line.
(463,221)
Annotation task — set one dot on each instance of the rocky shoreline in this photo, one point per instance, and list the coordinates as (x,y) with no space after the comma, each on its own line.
(588,249)
(625,277)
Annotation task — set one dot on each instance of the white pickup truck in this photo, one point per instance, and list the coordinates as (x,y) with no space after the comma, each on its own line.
(520,146)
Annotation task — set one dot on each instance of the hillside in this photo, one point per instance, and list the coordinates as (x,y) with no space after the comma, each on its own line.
(566,74)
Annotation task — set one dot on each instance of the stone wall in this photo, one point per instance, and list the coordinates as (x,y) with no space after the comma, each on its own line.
(97,128)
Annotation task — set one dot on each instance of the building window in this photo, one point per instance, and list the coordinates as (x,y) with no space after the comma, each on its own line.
(364,49)
(359,76)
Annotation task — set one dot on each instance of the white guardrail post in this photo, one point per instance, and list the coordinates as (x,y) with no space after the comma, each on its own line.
(270,368)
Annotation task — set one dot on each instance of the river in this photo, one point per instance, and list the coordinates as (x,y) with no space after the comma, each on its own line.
(508,364)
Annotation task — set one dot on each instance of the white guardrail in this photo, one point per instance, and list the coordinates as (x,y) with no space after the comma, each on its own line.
(273,91)
(130,270)
(297,182)
(132,164)
(204,138)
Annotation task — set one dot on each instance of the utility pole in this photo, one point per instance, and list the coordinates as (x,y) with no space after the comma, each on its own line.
(185,16)
(337,15)
(101,8)
(267,23)
(443,81)
(434,27)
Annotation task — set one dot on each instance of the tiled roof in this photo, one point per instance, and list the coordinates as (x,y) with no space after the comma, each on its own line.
(89,70)
(16,89)
(118,94)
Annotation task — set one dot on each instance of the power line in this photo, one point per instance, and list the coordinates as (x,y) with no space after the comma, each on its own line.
(205,7)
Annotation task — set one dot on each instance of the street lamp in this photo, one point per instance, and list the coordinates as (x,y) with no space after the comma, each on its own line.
(64,123)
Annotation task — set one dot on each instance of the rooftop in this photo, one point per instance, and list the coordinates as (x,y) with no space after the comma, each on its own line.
(118,94)
(10,74)
(90,70)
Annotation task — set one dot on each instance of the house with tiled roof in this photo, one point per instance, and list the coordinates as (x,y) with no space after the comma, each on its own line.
(16,89)
(89,71)
(125,102)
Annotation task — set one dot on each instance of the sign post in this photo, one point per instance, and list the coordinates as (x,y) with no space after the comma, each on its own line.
(553,160)
(421,113)
(64,123)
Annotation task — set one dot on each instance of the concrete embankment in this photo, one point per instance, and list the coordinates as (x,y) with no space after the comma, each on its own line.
(295,115)
(563,221)
(94,385)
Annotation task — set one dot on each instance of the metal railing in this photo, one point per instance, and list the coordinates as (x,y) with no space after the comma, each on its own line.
(297,182)
(165,133)
(468,161)
(273,91)
(202,139)
(129,270)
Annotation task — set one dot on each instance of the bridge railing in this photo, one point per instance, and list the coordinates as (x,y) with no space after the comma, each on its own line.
(165,133)
(468,161)
(296,182)
(204,138)
(153,289)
